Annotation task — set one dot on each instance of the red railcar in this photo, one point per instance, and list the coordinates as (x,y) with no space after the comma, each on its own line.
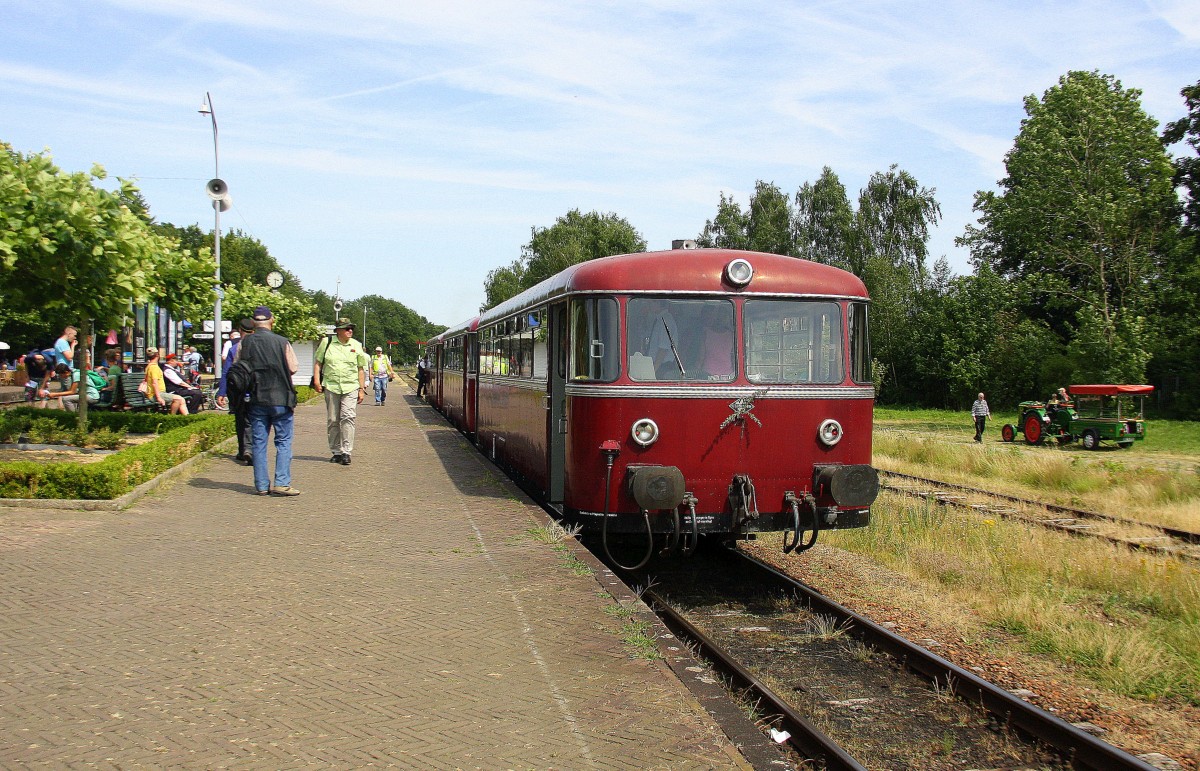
(679,394)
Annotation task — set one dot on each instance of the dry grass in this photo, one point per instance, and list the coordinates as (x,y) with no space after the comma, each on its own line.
(1129,622)
(1164,495)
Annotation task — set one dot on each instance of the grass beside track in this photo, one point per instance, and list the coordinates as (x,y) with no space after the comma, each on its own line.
(1128,622)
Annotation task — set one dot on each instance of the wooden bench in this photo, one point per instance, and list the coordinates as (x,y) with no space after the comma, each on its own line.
(126,395)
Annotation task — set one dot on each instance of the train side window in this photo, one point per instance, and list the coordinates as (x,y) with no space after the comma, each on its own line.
(541,356)
(595,339)
(860,349)
(793,341)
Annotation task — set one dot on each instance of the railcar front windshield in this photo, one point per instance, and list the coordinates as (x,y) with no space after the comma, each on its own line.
(681,339)
(793,341)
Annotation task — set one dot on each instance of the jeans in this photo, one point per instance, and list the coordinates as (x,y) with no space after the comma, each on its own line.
(380,382)
(262,418)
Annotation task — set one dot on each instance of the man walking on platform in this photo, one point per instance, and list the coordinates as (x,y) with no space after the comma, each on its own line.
(272,402)
(340,371)
(381,374)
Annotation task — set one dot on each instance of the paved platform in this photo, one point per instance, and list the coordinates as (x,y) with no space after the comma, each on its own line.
(397,613)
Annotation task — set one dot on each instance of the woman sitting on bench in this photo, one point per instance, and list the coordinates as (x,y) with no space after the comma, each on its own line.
(156,387)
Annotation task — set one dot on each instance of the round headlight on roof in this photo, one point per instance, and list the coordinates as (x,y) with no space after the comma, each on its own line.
(644,432)
(739,272)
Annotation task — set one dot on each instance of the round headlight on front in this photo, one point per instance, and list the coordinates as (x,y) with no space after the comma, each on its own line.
(645,432)
(830,432)
(739,272)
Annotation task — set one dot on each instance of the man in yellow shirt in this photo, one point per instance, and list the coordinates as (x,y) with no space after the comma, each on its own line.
(340,372)
(381,374)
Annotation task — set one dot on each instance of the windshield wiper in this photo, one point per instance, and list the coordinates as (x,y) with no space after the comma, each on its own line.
(674,350)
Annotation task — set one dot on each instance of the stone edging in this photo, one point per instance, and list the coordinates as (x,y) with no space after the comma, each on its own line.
(116,504)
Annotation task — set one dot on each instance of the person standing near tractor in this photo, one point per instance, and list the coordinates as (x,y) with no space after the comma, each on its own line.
(980,411)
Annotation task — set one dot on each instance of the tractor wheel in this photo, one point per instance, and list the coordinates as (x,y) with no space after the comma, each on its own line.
(1090,440)
(1033,428)
(1008,432)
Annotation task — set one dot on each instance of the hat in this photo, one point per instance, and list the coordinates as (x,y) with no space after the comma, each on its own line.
(246,325)
(234,335)
(344,323)
(262,313)
(170,356)
(379,348)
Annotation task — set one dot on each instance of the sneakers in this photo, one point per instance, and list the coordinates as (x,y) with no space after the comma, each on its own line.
(288,491)
(337,458)
(345,460)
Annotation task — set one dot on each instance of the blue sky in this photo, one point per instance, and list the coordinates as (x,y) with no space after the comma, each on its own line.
(406,149)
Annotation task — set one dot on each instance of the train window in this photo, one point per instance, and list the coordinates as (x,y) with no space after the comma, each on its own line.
(541,357)
(860,349)
(793,341)
(595,339)
(681,339)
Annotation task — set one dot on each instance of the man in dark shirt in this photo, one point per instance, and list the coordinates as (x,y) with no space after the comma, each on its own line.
(272,402)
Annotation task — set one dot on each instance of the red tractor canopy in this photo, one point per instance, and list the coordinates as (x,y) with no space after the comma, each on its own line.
(1110,390)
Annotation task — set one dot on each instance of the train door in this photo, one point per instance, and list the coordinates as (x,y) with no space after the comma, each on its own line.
(556,418)
(471,378)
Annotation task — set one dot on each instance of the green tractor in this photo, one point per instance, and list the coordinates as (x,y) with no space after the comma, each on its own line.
(1092,414)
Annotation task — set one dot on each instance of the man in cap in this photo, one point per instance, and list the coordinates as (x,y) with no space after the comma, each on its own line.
(340,372)
(272,401)
(381,374)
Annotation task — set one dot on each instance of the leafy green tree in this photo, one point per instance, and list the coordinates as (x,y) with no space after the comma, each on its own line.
(824,222)
(503,283)
(1084,214)
(69,246)
(1176,347)
(769,220)
(573,238)
(390,325)
(893,220)
(295,318)
(728,230)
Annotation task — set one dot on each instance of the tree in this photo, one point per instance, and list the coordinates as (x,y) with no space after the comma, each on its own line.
(893,220)
(573,238)
(503,283)
(769,221)
(824,222)
(295,318)
(728,230)
(69,246)
(1083,217)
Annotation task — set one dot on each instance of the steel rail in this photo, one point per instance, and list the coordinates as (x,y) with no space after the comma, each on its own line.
(1080,748)
(1179,535)
(804,737)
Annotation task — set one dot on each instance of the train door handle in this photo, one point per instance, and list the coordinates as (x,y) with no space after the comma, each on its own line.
(546,402)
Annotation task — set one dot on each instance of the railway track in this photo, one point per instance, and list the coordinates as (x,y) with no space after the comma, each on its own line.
(766,637)
(1074,521)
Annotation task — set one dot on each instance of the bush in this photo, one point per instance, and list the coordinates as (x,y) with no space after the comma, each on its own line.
(121,472)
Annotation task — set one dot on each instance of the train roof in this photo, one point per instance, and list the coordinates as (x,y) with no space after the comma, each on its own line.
(687,271)
(470,325)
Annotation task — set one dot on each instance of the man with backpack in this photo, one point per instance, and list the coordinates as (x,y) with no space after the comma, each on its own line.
(240,390)
(272,404)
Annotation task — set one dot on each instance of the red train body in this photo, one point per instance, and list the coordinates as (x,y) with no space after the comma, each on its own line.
(688,393)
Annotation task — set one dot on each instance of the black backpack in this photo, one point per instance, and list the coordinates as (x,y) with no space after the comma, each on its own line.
(239,379)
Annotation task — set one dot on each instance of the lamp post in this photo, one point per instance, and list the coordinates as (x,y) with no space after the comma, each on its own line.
(364,340)
(219,193)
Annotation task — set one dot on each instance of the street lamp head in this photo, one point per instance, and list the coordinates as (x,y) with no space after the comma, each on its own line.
(204,109)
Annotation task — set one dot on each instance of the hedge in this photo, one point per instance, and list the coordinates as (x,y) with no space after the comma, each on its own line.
(183,436)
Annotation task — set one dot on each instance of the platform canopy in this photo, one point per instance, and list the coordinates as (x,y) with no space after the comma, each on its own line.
(1110,390)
